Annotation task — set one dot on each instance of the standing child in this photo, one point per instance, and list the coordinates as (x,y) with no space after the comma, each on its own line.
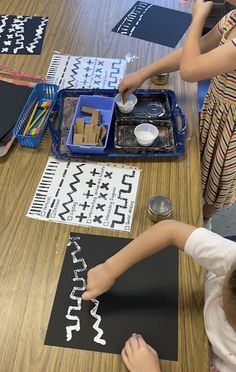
(211,56)
(213,252)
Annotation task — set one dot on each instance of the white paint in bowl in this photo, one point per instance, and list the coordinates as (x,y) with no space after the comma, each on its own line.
(146,134)
(129,104)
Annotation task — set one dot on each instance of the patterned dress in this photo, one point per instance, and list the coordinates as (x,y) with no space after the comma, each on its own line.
(218,132)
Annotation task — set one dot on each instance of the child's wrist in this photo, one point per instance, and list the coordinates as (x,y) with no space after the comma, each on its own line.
(199,20)
(144,73)
(112,268)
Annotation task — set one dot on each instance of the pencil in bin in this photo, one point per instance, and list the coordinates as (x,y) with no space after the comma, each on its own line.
(35,124)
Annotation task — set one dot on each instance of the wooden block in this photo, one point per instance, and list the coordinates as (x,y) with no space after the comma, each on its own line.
(98,115)
(92,139)
(79,126)
(88,129)
(95,117)
(103,132)
(124,98)
(85,139)
(77,139)
(87,110)
(75,129)
(97,131)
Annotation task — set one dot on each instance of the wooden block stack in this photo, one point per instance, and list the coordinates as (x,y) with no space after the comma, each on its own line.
(89,134)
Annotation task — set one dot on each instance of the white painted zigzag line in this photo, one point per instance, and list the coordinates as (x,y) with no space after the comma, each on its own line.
(76,327)
(100,332)
(18,25)
(2,26)
(38,35)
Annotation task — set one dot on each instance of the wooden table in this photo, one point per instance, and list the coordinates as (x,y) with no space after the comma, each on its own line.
(32,251)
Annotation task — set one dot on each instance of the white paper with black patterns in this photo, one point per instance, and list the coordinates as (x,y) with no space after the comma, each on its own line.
(86,193)
(85,72)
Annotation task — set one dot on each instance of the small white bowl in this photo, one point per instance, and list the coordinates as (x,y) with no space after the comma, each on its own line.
(146,134)
(128,106)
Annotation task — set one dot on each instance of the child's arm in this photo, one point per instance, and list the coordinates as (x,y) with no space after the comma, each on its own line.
(196,65)
(168,63)
(159,236)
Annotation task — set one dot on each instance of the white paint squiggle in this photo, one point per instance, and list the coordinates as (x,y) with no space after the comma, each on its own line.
(38,35)
(100,332)
(75,327)
(79,279)
(3,25)
(18,26)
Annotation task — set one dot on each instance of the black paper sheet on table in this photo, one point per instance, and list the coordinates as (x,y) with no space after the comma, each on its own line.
(13,99)
(22,34)
(143,300)
(154,23)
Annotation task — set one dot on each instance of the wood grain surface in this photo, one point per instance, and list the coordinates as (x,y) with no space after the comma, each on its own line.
(32,252)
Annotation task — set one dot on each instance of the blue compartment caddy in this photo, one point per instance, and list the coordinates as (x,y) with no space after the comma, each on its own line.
(101,103)
(37,109)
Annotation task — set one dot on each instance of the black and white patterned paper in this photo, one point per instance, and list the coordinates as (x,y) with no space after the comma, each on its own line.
(86,193)
(22,34)
(154,23)
(85,72)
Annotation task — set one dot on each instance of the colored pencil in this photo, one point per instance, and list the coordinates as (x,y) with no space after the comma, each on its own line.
(37,119)
(31,118)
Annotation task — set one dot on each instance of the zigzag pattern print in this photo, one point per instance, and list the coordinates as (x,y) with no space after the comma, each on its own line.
(74,73)
(77,180)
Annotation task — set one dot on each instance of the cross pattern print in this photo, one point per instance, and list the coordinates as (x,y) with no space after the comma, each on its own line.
(22,34)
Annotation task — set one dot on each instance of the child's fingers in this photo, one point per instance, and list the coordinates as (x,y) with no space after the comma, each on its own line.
(133,340)
(88,295)
(125,359)
(122,88)
(128,348)
(141,340)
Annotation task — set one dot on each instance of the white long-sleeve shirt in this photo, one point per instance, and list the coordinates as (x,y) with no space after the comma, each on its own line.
(218,256)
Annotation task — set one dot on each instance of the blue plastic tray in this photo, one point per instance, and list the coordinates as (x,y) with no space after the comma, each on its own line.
(106,106)
(40,91)
(67,101)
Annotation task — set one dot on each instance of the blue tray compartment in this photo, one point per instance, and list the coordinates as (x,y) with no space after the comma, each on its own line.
(106,106)
(40,91)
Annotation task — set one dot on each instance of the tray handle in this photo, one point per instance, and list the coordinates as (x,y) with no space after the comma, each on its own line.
(181,132)
(53,123)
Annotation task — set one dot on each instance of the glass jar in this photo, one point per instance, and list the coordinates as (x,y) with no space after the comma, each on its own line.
(160,79)
(159,208)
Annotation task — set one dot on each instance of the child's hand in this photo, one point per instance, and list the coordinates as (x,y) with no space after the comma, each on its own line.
(99,280)
(201,8)
(131,82)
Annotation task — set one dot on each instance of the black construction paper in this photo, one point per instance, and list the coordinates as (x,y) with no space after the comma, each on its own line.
(154,23)
(13,99)
(231,238)
(143,300)
(22,34)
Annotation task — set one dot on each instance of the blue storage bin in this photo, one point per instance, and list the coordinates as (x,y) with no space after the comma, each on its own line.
(40,92)
(106,107)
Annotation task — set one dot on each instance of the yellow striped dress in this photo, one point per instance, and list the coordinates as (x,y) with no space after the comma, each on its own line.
(218,132)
